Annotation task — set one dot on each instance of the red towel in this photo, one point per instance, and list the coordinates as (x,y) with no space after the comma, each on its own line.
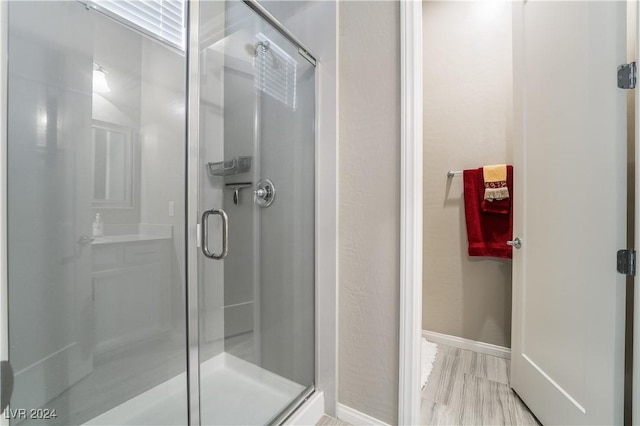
(497,206)
(487,231)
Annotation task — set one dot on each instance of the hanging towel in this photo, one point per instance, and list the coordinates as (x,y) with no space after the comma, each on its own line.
(495,182)
(487,232)
(497,206)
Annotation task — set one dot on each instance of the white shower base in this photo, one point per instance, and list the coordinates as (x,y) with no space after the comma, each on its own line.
(232,391)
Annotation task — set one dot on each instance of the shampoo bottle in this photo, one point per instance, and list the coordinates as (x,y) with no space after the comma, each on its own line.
(98,226)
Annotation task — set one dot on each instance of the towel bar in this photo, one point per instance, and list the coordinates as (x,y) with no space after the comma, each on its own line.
(452,173)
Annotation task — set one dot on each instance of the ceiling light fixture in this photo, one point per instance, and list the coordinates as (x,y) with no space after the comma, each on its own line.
(100,84)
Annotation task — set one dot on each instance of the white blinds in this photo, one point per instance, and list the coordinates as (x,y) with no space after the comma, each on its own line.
(162,19)
(275,72)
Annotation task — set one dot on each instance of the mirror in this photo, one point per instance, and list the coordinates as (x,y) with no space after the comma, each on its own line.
(112,165)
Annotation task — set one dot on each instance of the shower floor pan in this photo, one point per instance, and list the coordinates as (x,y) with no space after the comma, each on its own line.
(232,392)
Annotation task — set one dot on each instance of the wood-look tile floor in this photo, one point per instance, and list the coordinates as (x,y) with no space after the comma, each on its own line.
(469,388)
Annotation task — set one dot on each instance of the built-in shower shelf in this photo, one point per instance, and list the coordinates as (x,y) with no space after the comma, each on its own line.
(234,166)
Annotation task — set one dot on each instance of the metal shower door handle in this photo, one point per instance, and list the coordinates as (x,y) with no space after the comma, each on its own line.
(205,234)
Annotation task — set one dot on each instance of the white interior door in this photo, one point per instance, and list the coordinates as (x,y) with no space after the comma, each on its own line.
(570,210)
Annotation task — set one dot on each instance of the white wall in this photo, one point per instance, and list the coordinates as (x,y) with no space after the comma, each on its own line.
(369,238)
(147,81)
(467,124)
(239,273)
(162,159)
(211,190)
(119,51)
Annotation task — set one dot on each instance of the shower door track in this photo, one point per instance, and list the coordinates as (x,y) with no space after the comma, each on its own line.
(293,407)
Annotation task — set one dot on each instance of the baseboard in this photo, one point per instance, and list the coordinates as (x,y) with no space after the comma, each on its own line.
(309,413)
(355,417)
(51,375)
(471,345)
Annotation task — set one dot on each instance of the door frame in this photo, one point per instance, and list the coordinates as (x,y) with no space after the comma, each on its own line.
(411,218)
(411,163)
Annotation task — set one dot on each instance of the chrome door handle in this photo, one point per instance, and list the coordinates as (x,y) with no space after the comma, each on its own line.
(205,234)
(515,243)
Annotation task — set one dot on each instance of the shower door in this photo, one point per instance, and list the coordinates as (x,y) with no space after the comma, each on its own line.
(97,313)
(255,207)
(95,128)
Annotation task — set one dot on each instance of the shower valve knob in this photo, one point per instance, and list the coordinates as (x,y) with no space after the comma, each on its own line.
(265,193)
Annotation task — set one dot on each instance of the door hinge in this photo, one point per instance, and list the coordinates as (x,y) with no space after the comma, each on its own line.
(627,262)
(627,76)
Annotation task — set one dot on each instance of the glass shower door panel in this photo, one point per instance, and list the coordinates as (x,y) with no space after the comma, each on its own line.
(257,100)
(96,310)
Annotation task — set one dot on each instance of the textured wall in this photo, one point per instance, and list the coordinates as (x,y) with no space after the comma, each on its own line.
(467,123)
(369,212)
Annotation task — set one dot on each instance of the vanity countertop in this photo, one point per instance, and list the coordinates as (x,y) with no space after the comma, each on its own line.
(112,239)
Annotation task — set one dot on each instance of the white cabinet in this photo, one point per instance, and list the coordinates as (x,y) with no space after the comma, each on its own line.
(131,291)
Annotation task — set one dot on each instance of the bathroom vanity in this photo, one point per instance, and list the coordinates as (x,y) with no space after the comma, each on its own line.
(131,286)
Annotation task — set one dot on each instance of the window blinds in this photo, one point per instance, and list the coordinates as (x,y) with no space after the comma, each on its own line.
(275,72)
(161,19)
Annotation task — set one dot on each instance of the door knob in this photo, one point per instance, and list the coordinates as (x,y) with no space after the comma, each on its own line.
(515,243)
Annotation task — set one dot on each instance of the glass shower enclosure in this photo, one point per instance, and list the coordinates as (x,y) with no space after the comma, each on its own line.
(160,197)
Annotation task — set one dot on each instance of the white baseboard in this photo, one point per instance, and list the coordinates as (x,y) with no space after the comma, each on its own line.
(357,418)
(471,345)
(310,413)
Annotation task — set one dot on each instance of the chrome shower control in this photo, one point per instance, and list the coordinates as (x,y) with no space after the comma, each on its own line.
(265,193)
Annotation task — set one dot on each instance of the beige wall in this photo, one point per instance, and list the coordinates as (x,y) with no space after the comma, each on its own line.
(369,207)
(467,123)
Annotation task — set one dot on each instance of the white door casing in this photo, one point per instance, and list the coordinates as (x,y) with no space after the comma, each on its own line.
(569,210)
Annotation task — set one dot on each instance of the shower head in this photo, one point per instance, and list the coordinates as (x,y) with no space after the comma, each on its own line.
(263,45)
